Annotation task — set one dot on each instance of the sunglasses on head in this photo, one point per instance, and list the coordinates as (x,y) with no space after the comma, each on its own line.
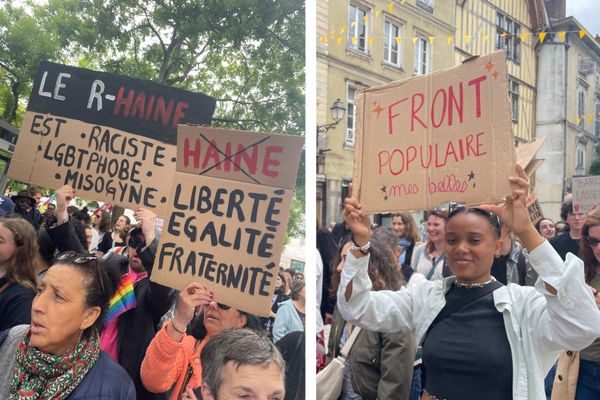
(592,242)
(81,259)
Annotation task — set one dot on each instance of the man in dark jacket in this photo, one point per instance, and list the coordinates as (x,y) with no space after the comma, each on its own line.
(127,337)
(25,206)
(568,241)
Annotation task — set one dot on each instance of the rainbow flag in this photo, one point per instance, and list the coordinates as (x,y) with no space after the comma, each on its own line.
(123,299)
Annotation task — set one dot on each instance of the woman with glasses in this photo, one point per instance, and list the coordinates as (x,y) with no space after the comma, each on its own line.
(172,360)
(58,356)
(428,258)
(585,382)
(480,339)
(19,265)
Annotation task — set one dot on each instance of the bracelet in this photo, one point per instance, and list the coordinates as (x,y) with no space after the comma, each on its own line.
(363,249)
(177,329)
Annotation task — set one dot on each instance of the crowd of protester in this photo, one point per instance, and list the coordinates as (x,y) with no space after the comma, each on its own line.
(484,305)
(80,317)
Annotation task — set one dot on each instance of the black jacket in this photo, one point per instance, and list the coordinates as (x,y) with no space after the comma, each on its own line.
(137,326)
(15,305)
(33,216)
(564,244)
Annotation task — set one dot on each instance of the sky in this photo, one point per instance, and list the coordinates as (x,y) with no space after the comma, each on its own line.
(586,12)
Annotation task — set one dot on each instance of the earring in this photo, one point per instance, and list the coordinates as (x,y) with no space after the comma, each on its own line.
(497,255)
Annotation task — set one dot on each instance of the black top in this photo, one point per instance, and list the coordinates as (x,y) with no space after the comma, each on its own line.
(15,305)
(564,244)
(467,355)
(499,268)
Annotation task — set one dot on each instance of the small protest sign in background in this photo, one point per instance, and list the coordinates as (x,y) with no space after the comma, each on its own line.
(227,214)
(586,193)
(441,137)
(112,138)
(535,210)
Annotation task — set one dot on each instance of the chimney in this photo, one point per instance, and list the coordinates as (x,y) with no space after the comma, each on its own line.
(557,9)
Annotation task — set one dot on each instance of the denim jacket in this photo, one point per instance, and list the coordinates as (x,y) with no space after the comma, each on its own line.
(538,324)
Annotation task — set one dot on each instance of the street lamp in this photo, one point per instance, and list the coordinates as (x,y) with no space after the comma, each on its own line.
(337,114)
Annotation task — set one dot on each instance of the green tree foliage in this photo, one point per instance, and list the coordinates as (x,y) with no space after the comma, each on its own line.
(24,43)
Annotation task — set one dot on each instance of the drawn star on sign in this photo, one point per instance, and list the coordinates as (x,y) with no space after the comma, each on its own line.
(383,189)
(471,175)
(378,109)
(489,66)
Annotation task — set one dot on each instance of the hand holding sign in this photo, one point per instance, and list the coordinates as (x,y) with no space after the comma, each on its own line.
(64,195)
(357,221)
(193,296)
(147,220)
(514,213)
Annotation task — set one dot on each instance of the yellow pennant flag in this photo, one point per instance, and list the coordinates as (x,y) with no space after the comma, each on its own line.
(323,38)
(365,19)
(561,35)
(485,37)
(523,36)
(354,40)
(577,120)
(377,12)
(581,34)
(431,39)
(370,40)
(398,39)
(332,34)
(353,23)
(390,7)
(339,40)
(542,36)
(590,117)
(342,30)
(467,38)
(504,34)
(449,39)
(414,39)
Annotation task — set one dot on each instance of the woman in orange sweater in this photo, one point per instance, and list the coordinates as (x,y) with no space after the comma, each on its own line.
(173,356)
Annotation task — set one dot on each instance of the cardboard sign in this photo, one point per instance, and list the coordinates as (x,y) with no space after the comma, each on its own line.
(435,138)
(535,210)
(253,157)
(226,227)
(526,153)
(108,136)
(586,193)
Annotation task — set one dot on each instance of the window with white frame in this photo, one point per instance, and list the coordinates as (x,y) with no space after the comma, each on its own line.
(508,36)
(421,56)
(350,117)
(513,93)
(357,27)
(581,106)
(391,45)
(427,4)
(597,118)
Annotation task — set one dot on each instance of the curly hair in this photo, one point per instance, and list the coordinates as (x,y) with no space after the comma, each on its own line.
(586,253)
(24,265)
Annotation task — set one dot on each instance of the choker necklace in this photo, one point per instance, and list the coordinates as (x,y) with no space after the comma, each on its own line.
(474,285)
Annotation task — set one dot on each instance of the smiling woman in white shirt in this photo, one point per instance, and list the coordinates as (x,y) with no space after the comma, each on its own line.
(480,339)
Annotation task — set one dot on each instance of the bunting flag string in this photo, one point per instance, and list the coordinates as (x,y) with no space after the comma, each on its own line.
(467,38)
